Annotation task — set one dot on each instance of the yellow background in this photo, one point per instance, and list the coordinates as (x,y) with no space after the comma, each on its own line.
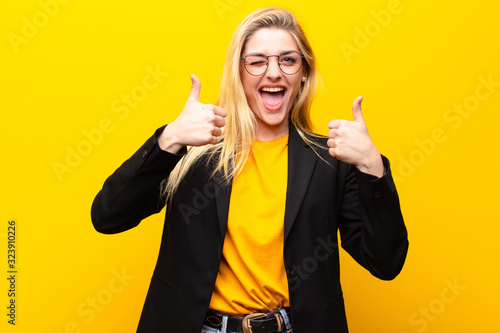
(66,76)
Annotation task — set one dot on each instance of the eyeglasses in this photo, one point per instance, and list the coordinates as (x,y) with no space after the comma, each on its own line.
(289,62)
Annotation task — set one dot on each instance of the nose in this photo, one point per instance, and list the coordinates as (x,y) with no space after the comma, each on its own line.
(273,68)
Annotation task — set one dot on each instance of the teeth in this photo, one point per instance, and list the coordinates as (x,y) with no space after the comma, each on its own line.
(277,89)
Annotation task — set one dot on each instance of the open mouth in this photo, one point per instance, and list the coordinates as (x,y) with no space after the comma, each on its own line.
(272,97)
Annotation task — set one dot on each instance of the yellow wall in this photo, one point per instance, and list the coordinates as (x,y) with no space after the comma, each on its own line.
(430,75)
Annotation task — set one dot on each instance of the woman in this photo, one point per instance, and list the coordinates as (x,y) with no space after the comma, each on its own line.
(254,205)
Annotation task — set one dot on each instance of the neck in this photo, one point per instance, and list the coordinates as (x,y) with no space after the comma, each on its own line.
(269,133)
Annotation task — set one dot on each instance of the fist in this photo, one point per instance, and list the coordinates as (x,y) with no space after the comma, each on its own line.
(350,142)
(198,124)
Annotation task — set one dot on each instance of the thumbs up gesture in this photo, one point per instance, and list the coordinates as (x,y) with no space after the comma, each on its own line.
(197,125)
(350,142)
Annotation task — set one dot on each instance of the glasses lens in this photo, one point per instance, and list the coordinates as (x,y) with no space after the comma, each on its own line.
(256,64)
(290,62)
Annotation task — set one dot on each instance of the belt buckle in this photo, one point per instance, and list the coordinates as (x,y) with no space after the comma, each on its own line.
(247,328)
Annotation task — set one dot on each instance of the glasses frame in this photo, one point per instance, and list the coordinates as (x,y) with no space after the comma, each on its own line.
(267,62)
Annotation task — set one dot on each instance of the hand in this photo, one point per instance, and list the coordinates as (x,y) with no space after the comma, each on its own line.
(197,125)
(350,142)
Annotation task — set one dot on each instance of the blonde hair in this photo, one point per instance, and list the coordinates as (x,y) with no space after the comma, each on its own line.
(239,131)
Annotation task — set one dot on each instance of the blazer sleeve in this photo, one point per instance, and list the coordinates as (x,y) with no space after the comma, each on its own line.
(372,228)
(132,192)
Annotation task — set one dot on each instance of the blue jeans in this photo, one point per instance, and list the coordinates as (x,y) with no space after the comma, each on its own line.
(288,325)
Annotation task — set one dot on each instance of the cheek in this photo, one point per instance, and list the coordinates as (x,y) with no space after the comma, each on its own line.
(296,90)
(249,86)
(246,89)
(246,79)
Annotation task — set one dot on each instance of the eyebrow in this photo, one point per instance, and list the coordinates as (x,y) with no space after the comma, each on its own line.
(262,54)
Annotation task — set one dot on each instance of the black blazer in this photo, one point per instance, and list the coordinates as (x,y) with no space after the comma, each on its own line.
(324,196)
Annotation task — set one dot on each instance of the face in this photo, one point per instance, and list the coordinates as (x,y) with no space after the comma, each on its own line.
(271,95)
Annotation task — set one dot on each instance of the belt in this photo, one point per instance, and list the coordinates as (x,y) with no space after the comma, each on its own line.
(252,323)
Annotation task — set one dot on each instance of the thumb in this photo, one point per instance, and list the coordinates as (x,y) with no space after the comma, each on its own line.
(357,114)
(194,95)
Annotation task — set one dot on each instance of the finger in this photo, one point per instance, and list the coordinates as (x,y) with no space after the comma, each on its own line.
(332,152)
(194,95)
(330,143)
(357,114)
(214,140)
(220,111)
(219,121)
(332,133)
(217,131)
(334,124)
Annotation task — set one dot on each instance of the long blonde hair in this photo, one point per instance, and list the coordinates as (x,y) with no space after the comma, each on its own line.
(239,131)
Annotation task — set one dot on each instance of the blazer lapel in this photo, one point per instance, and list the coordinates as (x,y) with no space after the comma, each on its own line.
(301,162)
(222,196)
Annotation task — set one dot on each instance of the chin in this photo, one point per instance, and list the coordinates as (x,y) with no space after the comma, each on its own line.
(272,119)
(275,120)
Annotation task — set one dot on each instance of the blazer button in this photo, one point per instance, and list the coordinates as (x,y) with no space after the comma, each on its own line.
(293,275)
(144,153)
(377,194)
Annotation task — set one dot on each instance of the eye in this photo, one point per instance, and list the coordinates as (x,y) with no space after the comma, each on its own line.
(255,60)
(288,60)
(258,63)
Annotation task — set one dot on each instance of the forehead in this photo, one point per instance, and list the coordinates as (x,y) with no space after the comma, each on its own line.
(270,41)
